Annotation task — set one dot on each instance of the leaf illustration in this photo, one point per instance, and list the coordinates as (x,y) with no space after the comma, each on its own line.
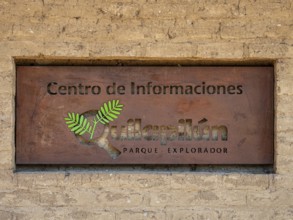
(78,123)
(109,111)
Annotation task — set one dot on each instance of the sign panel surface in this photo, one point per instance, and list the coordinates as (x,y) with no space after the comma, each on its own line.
(144,115)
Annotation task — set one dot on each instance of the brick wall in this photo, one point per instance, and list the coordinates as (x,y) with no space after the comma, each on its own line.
(191,31)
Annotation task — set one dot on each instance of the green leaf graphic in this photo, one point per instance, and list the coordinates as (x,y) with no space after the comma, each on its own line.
(78,123)
(109,111)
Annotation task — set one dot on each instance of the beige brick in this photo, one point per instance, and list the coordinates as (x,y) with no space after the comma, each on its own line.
(7,160)
(140,215)
(6,142)
(242,28)
(284,164)
(183,49)
(120,198)
(216,9)
(283,67)
(27,31)
(232,197)
(220,50)
(192,30)
(283,182)
(284,80)
(7,82)
(60,213)
(120,9)
(272,50)
(19,198)
(93,50)
(154,182)
(259,199)
(65,49)
(245,213)
(70,180)
(283,213)
(5,215)
(55,198)
(76,31)
(110,50)
(251,29)
(284,148)
(256,8)
(190,214)
(7,63)
(6,108)
(163,11)
(25,8)
(101,180)
(284,129)
(246,181)
(283,87)
(28,214)
(290,48)
(6,129)
(269,199)
(6,29)
(39,180)
(283,123)
(91,215)
(7,180)
(180,198)
(159,199)
(196,181)
(84,197)
(21,48)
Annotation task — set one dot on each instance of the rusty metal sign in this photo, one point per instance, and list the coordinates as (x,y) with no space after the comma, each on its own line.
(144,115)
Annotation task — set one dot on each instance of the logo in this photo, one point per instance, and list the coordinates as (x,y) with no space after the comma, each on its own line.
(82,127)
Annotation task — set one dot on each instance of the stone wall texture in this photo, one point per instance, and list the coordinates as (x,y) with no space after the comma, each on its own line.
(201,31)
